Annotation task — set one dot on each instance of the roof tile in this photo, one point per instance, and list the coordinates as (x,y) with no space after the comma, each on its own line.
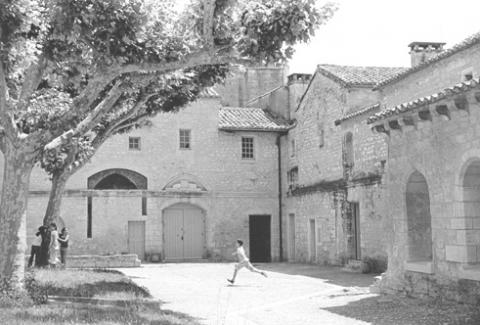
(249,119)
(422,101)
(358,76)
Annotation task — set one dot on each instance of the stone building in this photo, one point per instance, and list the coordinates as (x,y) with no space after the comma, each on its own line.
(430,117)
(185,188)
(332,165)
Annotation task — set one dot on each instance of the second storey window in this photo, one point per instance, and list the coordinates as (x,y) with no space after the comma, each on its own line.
(185,137)
(134,143)
(247,148)
(292,148)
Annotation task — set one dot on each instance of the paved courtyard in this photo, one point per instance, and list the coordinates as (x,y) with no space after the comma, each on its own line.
(291,295)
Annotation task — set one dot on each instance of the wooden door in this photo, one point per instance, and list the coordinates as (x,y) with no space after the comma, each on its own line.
(260,238)
(173,233)
(136,238)
(313,241)
(184,232)
(193,233)
(291,237)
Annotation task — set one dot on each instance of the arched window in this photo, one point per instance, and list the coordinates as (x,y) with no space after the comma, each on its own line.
(419,220)
(115,182)
(115,179)
(348,157)
(471,204)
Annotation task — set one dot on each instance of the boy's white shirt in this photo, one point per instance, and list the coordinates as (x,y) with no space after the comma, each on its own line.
(242,257)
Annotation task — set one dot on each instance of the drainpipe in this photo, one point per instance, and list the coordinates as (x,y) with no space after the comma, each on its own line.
(280,208)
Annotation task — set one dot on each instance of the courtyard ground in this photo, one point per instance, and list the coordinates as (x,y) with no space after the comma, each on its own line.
(291,295)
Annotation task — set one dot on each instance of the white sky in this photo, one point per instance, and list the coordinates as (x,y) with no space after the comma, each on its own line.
(377,32)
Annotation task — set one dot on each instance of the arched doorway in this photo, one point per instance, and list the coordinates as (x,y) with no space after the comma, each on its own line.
(419,220)
(471,205)
(183,232)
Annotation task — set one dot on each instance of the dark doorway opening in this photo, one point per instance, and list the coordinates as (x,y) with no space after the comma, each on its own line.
(260,250)
(354,231)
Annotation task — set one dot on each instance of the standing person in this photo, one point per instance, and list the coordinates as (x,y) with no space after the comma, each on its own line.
(35,251)
(45,246)
(54,245)
(63,240)
(243,262)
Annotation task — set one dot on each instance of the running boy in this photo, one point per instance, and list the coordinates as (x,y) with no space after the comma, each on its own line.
(243,262)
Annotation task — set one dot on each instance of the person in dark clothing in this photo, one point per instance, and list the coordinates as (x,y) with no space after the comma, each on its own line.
(35,251)
(63,239)
(45,246)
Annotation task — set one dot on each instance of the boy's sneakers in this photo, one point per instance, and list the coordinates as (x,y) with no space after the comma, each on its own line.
(264,274)
(231,281)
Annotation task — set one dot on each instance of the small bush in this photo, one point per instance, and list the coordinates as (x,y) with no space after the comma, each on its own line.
(37,292)
(374,264)
(11,297)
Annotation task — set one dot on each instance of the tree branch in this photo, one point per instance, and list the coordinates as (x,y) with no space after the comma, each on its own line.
(208,22)
(6,121)
(33,77)
(90,120)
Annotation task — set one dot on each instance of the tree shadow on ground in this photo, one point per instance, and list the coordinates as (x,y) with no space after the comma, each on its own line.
(394,310)
(331,274)
(134,315)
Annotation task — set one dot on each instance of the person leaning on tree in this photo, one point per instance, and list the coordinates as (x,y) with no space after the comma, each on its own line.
(63,239)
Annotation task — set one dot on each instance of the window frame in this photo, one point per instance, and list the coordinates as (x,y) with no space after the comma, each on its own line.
(183,137)
(131,142)
(242,151)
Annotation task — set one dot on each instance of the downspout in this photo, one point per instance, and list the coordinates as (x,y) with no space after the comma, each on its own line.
(280,203)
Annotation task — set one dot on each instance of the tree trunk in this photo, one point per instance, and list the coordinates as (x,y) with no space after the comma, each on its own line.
(52,213)
(13,213)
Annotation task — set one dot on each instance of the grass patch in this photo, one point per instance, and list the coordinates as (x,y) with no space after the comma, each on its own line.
(56,315)
(83,283)
(19,309)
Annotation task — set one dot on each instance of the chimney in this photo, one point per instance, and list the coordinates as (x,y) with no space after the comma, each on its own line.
(297,85)
(424,51)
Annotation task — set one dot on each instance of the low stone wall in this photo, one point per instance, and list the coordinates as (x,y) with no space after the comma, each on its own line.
(429,286)
(98,261)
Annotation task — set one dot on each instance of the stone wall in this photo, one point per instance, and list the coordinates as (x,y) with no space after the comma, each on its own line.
(325,187)
(445,152)
(230,188)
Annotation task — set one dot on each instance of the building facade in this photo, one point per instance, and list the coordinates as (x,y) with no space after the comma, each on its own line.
(184,188)
(431,121)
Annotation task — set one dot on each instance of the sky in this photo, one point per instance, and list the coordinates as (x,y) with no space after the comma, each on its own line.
(377,32)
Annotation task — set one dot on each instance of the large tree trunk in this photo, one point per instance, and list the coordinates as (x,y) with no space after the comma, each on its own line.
(52,213)
(13,213)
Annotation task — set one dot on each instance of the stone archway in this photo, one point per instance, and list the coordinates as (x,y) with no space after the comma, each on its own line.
(419,219)
(471,208)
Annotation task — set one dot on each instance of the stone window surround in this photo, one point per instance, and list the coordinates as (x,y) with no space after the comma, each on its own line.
(460,253)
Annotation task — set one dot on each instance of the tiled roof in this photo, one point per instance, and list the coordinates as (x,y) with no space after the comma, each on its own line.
(421,102)
(358,76)
(209,92)
(465,44)
(362,111)
(249,119)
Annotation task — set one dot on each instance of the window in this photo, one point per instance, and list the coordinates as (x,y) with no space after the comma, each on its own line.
(185,137)
(348,156)
(134,143)
(292,177)
(292,148)
(247,148)
(321,134)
